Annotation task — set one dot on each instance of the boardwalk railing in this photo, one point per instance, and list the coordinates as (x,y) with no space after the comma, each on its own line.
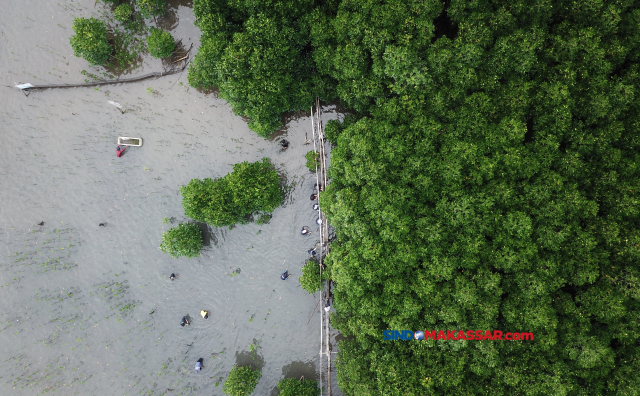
(319,144)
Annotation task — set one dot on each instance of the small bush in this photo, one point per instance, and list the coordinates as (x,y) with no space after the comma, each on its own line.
(151,8)
(90,40)
(241,381)
(311,280)
(183,240)
(160,43)
(123,12)
(251,187)
(293,387)
(313,158)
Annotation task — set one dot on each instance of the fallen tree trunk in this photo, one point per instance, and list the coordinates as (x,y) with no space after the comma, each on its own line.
(101,82)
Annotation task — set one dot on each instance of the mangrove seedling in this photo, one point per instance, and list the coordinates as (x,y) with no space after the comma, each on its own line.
(311,280)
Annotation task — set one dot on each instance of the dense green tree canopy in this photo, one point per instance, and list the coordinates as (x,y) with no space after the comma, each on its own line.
(494,185)
(257,55)
(251,187)
(489,180)
(90,40)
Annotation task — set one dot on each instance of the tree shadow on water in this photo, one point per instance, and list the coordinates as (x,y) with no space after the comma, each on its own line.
(250,359)
(207,235)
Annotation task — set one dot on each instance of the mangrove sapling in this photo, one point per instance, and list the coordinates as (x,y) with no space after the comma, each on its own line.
(251,187)
(313,159)
(151,8)
(123,12)
(183,240)
(160,43)
(311,279)
(241,381)
(90,40)
(302,387)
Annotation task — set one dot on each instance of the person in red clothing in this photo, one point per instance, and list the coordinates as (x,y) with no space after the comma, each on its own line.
(120,151)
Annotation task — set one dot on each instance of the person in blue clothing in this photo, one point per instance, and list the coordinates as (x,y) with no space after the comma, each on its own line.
(285,274)
(199,365)
(185,321)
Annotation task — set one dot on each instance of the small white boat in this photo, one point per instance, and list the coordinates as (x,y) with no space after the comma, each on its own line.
(129,141)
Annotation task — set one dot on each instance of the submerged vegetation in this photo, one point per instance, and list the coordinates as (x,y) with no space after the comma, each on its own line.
(488,180)
(250,188)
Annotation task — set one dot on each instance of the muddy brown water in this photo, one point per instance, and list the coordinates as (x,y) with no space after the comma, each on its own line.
(89,309)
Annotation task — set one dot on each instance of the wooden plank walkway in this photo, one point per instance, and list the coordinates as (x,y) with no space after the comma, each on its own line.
(319,145)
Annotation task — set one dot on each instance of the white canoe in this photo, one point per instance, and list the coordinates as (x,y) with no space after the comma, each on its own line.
(129,141)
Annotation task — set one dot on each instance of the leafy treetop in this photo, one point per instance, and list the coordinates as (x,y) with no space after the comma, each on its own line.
(294,387)
(493,184)
(160,43)
(90,40)
(251,187)
(151,8)
(311,279)
(123,12)
(183,240)
(241,381)
(257,55)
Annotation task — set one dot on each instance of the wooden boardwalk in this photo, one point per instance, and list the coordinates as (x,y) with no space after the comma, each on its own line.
(319,145)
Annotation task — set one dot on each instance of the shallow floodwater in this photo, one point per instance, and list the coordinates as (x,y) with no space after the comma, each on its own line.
(88,309)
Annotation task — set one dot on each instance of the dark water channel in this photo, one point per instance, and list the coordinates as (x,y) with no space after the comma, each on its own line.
(89,309)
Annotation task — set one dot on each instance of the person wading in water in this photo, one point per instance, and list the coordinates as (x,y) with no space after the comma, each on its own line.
(120,151)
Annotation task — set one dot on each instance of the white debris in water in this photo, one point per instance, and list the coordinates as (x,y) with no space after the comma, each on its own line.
(118,105)
(24,86)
